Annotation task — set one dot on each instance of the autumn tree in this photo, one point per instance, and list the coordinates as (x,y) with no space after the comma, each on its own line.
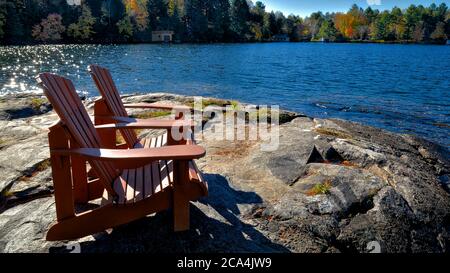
(138,13)
(344,23)
(50,29)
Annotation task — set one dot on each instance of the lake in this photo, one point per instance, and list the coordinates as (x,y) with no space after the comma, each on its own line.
(402,88)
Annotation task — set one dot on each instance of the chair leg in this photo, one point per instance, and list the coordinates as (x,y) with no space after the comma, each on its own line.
(180,212)
(180,196)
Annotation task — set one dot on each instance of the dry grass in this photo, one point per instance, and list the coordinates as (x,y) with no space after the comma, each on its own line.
(151,114)
(347,163)
(3,142)
(43,165)
(7,194)
(119,138)
(321,188)
(239,149)
(36,103)
(211,102)
(333,132)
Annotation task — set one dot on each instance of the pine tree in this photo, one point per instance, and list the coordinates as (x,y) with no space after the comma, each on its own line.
(239,14)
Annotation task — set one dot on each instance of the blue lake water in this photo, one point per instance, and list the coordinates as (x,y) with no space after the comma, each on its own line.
(402,88)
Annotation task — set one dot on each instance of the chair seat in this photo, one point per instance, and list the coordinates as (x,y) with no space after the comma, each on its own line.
(133,185)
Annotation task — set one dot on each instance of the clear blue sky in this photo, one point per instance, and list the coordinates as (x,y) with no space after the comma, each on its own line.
(306,7)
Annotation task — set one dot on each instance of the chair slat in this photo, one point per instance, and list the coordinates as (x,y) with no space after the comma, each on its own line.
(131,185)
(120,186)
(67,104)
(170,169)
(139,188)
(164,174)
(107,88)
(147,189)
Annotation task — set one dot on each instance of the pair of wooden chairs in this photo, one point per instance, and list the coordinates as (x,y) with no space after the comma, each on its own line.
(132,180)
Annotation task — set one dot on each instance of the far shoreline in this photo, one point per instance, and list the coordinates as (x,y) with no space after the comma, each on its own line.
(443,43)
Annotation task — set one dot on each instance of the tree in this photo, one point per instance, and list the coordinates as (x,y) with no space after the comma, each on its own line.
(218,16)
(138,13)
(174,20)
(419,32)
(313,23)
(157,10)
(269,25)
(370,15)
(111,12)
(239,15)
(439,32)
(257,13)
(125,27)
(2,18)
(299,31)
(95,7)
(397,24)
(15,30)
(362,32)
(344,23)
(83,29)
(50,29)
(359,22)
(327,30)
(195,19)
(412,17)
(280,22)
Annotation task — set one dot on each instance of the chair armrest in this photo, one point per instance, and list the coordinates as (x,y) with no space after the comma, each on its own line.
(134,158)
(158,106)
(130,123)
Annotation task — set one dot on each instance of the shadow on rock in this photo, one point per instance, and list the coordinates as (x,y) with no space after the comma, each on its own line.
(215,226)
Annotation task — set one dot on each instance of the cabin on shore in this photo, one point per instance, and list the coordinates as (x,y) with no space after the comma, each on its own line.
(280,38)
(162,36)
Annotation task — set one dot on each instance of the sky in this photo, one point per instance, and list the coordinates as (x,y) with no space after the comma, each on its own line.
(306,7)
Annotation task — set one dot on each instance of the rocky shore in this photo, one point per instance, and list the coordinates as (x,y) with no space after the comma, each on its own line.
(331,186)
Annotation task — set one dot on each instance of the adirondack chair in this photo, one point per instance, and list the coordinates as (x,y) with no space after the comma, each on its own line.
(110,109)
(131,183)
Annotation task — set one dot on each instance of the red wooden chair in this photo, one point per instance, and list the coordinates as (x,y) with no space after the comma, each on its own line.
(110,109)
(131,183)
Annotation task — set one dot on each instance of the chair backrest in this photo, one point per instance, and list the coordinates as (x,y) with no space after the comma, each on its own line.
(108,90)
(67,104)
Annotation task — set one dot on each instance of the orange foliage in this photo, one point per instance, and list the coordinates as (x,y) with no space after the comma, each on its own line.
(347,23)
(344,23)
(138,10)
